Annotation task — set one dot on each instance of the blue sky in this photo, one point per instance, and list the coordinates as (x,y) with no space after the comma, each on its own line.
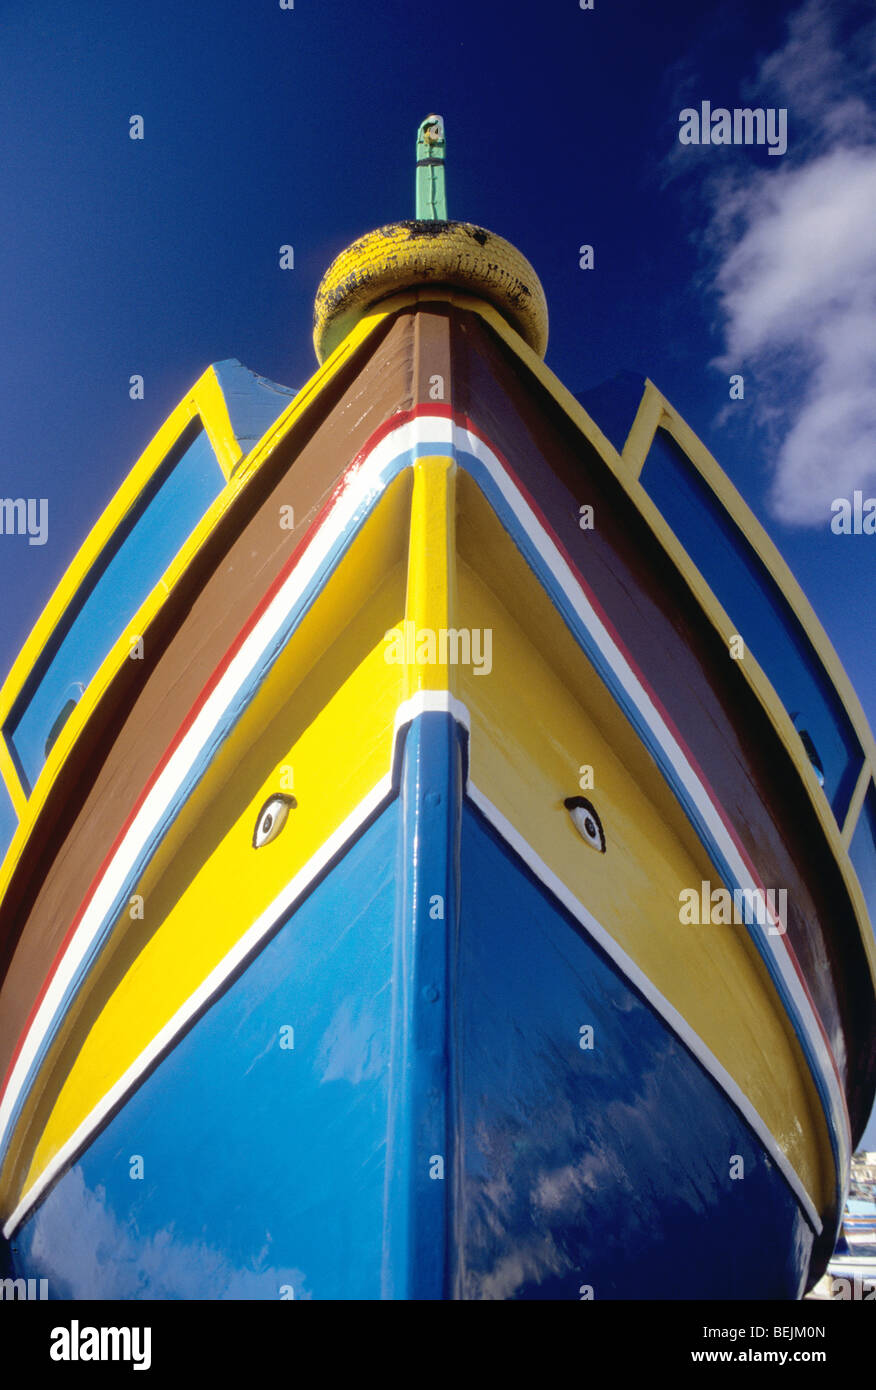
(266,126)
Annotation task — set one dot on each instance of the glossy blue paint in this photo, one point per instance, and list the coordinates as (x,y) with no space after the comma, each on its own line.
(122,577)
(419,1160)
(762,615)
(223,730)
(419,1036)
(263,1165)
(253,402)
(615,687)
(8,820)
(606,1167)
(862,852)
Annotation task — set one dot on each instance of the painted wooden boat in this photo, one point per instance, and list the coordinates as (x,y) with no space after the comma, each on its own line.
(380,778)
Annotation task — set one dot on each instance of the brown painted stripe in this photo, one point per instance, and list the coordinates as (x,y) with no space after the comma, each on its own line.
(663,628)
(703,691)
(141,713)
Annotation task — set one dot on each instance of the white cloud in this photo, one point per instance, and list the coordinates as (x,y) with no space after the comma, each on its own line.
(811,74)
(796,271)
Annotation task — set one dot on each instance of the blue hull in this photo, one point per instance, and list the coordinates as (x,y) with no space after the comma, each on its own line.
(607,1167)
(432,1127)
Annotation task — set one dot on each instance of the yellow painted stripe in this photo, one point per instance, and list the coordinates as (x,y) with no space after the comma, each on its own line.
(201,400)
(541,716)
(648,416)
(216,420)
(654,410)
(124,500)
(855,805)
(320,727)
(431,572)
(11,779)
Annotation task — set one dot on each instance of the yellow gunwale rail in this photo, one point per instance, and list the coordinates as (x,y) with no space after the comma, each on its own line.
(654,410)
(205,400)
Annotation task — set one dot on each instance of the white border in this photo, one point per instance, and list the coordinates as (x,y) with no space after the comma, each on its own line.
(221,709)
(425,702)
(658,1002)
(208,987)
(197,745)
(772,940)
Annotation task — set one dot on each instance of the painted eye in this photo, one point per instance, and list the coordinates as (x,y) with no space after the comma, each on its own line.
(586,821)
(271,818)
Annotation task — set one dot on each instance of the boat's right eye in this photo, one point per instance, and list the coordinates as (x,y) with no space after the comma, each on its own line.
(271,818)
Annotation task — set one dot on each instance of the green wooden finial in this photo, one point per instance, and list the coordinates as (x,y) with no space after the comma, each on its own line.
(431,192)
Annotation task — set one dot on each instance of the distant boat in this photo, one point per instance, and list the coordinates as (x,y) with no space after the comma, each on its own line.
(859,1225)
(439,850)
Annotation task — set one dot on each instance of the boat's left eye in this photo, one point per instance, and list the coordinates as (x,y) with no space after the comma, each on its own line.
(586,821)
(271,818)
